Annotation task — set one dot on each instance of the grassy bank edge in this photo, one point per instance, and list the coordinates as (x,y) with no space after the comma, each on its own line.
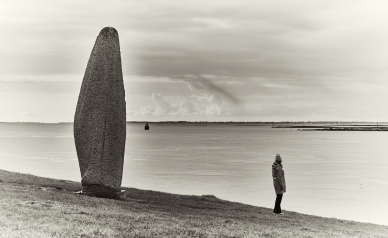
(33,206)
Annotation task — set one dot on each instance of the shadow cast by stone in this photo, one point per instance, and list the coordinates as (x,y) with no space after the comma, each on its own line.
(101,192)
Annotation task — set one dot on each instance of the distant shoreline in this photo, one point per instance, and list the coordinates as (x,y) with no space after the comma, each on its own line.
(301,126)
(338,128)
(275,124)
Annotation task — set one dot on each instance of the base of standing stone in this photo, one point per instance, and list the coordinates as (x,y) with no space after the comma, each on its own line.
(102,192)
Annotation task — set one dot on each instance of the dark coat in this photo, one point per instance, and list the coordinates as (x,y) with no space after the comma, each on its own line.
(279,182)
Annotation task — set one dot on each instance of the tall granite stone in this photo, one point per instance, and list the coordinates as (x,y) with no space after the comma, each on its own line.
(100,118)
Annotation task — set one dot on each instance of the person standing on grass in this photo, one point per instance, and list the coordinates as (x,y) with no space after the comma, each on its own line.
(279,183)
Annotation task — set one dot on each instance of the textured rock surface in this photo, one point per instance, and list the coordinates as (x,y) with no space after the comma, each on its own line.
(99,122)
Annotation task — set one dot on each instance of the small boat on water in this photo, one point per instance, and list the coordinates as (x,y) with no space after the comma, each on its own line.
(146,127)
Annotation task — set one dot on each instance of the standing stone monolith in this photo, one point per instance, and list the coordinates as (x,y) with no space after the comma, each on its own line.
(100,119)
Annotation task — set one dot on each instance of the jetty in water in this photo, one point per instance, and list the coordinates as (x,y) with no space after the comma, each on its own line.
(338,128)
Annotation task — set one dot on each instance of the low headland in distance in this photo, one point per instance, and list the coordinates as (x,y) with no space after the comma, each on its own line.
(253,123)
(32,206)
(300,125)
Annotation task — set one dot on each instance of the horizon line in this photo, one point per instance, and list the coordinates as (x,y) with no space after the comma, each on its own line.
(182,121)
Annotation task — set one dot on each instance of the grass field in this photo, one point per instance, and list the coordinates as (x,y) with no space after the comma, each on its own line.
(32,206)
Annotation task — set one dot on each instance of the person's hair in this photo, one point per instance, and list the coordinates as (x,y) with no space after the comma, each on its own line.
(278,158)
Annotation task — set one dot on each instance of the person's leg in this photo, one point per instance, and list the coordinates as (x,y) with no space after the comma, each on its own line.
(277,208)
(280,196)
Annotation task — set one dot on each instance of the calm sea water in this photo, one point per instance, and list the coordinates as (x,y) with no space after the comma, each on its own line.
(328,173)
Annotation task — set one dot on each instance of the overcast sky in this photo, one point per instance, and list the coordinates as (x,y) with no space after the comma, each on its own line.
(201,60)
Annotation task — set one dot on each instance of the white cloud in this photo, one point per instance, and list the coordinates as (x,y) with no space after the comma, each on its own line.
(162,106)
(205,103)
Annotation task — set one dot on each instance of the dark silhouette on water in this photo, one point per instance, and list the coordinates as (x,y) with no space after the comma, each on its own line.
(146,127)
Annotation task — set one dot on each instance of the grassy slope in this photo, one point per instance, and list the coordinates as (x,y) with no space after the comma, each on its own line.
(32,206)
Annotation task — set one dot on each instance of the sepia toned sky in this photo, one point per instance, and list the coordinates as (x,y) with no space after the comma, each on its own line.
(275,60)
